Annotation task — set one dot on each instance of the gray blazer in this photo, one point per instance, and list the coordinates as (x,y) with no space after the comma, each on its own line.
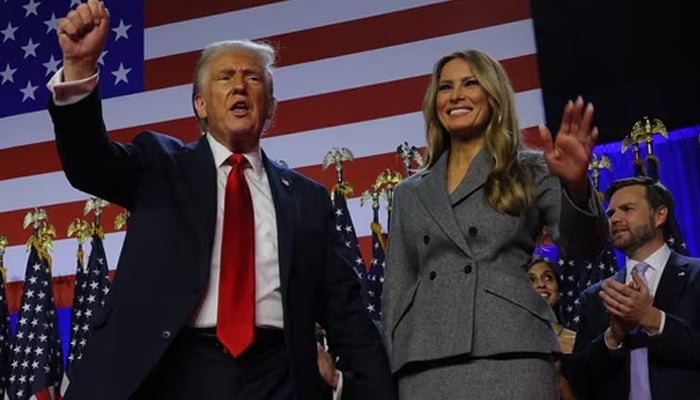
(456,282)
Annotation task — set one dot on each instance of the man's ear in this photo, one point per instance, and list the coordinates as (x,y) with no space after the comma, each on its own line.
(271,108)
(199,106)
(661,216)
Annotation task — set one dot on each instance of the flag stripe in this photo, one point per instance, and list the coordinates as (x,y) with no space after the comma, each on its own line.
(364,138)
(161,12)
(358,173)
(398,62)
(353,36)
(288,16)
(338,108)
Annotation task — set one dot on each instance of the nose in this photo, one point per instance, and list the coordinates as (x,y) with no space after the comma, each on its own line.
(456,94)
(239,84)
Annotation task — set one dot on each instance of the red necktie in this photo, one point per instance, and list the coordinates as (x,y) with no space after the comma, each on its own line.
(236,309)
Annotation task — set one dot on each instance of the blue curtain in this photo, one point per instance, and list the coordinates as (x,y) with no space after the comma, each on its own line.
(679,171)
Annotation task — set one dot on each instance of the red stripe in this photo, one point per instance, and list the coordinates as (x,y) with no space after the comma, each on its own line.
(160,12)
(355,36)
(361,173)
(331,109)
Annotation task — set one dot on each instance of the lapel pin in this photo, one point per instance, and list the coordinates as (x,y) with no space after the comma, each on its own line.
(682,273)
(285,182)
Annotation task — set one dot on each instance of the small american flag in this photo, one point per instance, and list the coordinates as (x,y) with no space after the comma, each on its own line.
(36,364)
(577,274)
(5,338)
(346,231)
(91,287)
(375,274)
(29,51)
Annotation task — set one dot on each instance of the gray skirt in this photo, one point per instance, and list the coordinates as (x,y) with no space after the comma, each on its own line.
(483,378)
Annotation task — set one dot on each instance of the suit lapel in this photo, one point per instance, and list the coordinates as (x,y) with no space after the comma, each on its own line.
(432,192)
(672,283)
(197,191)
(285,210)
(474,179)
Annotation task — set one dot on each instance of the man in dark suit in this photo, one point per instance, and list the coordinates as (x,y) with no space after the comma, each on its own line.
(172,326)
(639,333)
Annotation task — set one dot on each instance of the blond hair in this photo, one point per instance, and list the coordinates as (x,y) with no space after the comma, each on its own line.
(506,187)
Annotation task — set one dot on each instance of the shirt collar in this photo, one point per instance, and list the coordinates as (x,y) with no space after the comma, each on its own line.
(221,154)
(657,260)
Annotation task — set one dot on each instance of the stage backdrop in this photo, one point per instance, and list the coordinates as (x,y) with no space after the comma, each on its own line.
(350,74)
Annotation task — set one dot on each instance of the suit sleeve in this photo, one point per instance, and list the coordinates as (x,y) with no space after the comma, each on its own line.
(591,365)
(579,232)
(352,335)
(679,343)
(400,273)
(92,163)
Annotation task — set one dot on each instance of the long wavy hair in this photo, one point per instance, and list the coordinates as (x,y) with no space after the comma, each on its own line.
(506,187)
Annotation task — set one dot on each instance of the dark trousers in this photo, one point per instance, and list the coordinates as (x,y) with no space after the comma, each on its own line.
(196,366)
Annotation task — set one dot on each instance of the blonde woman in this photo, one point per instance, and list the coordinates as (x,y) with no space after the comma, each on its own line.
(461,320)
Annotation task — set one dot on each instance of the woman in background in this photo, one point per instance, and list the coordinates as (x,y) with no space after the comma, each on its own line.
(545,281)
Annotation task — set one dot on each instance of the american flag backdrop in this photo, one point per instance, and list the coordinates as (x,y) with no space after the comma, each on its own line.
(349,74)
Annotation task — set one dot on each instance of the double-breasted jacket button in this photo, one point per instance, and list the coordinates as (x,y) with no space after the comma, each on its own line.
(468,269)
(426,239)
(432,275)
(473,231)
(166,335)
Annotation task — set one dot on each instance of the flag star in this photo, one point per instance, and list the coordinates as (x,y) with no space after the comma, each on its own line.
(51,65)
(9,32)
(28,91)
(120,74)
(101,60)
(7,74)
(74,3)
(121,30)
(30,48)
(31,8)
(51,24)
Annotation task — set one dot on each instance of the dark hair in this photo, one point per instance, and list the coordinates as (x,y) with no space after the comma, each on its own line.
(557,308)
(656,194)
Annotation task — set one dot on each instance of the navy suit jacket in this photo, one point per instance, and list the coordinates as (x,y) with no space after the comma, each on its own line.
(170,190)
(598,373)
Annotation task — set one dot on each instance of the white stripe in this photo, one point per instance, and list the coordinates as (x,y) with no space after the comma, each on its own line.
(295,81)
(63,256)
(301,149)
(64,252)
(264,21)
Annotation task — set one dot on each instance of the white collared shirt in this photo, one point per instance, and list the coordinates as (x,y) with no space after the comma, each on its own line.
(657,263)
(268,298)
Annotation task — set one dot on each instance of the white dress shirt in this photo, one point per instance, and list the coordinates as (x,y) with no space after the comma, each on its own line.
(657,263)
(268,298)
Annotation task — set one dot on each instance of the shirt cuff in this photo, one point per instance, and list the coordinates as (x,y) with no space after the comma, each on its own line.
(67,93)
(338,390)
(662,323)
(608,345)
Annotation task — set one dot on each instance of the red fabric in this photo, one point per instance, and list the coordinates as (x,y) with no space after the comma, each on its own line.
(236,309)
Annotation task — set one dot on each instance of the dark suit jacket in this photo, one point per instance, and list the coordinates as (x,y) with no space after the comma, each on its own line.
(170,190)
(598,373)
